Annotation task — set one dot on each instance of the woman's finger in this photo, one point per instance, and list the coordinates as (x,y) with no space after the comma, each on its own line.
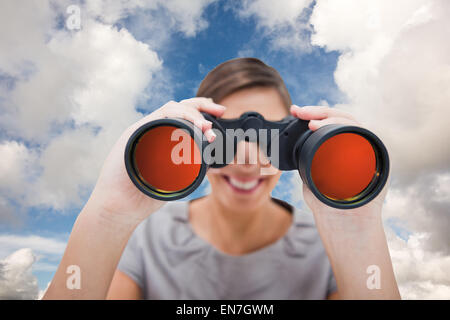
(205,105)
(318,112)
(316,124)
(178,110)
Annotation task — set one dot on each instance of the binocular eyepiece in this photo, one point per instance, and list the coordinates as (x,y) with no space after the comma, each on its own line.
(344,166)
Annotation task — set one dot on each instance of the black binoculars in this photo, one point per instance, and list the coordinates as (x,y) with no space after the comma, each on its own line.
(344,166)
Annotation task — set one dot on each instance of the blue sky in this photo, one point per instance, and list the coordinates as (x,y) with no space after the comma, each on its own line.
(64,101)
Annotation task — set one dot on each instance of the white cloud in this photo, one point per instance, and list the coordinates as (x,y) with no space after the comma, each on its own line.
(74,92)
(16,279)
(8,215)
(421,274)
(93,76)
(184,16)
(20,256)
(283,22)
(423,207)
(188,14)
(39,245)
(395,73)
(92,79)
(16,165)
(394,70)
(17,160)
(272,14)
(24,26)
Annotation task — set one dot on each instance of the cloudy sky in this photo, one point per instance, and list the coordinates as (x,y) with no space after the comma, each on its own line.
(67,93)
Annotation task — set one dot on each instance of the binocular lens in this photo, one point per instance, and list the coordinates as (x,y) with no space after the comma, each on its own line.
(161,165)
(344,166)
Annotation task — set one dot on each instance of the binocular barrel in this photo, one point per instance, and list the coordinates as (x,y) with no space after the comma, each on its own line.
(344,166)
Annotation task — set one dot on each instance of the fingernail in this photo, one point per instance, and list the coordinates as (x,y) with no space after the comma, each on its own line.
(297,108)
(220,106)
(210,135)
(314,123)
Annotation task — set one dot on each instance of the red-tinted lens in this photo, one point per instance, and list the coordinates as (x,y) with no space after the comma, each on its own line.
(343,166)
(159,166)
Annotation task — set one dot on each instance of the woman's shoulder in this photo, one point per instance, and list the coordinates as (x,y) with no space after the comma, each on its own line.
(302,218)
(302,238)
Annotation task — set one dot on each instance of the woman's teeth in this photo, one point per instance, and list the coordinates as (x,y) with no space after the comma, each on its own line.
(248,185)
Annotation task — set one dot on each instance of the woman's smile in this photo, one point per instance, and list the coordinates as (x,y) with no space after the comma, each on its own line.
(243,185)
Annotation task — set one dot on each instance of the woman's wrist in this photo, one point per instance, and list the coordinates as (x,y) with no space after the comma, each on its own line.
(343,233)
(350,221)
(104,217)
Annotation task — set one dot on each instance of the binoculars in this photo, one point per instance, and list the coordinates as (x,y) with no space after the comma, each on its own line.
(344,166)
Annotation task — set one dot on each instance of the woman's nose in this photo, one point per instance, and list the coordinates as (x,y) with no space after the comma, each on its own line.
(250,153)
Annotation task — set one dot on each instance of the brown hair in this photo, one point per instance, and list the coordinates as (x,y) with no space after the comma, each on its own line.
(242,73)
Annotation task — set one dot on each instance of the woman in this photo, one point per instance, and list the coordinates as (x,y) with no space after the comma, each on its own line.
(236,242)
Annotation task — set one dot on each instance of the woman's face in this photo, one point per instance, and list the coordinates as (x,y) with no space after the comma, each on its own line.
(248,183)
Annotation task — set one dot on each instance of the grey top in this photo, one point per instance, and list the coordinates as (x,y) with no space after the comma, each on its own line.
(167,260)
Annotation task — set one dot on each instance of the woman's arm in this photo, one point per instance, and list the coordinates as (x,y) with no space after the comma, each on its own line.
(113,211)
(357,249)
(354,239)
(95,246)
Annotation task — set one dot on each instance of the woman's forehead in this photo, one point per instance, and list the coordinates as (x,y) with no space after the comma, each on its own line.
(264,100)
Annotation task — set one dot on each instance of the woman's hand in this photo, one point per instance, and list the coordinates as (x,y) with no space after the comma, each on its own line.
(114,194)
(319,116)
